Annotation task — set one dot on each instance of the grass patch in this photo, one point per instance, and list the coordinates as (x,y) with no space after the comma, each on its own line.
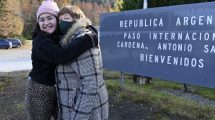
(164,84)
(163,103)
(203,91)
(4,82)
(206,92)
(158,84)
(115,75)
(20,106)
(6,79)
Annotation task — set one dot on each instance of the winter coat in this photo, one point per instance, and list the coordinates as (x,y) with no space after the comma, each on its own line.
(47,53)
(81,89)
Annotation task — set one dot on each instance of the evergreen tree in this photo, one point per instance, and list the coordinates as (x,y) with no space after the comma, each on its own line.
(132,4)
(122,5)
(160,3)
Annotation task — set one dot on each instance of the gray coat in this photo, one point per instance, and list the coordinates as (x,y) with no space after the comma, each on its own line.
(81,89)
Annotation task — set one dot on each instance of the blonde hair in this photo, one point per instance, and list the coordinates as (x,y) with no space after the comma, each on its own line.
(74,11)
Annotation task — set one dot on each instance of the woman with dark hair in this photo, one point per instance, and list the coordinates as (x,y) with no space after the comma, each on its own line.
(40,97)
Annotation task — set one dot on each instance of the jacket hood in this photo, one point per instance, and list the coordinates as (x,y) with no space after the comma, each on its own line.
(80,23)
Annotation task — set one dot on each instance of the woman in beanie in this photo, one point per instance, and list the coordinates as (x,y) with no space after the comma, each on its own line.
(40,94)
(82,94)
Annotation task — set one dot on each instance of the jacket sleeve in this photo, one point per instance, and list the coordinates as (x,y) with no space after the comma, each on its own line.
(51,52)
(87,71)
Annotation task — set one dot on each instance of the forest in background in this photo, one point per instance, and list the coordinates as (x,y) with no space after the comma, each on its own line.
(17,17)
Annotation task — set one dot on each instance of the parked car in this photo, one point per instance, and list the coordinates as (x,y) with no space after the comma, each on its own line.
(16,43)
(5,44)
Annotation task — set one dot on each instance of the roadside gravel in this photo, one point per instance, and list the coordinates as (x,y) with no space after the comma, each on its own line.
(190,96)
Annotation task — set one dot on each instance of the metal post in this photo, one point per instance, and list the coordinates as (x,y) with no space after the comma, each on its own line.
(122,79)
(145,4)
(147,79)
(185,87)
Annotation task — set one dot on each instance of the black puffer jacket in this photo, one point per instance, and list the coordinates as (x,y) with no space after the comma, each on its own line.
(47,53)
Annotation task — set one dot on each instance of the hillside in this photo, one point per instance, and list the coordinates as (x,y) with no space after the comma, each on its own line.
(17,17)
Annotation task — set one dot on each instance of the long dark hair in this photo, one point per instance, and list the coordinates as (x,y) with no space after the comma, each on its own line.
(36,30)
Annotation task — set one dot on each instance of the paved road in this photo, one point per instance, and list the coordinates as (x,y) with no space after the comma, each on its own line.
(15,59)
